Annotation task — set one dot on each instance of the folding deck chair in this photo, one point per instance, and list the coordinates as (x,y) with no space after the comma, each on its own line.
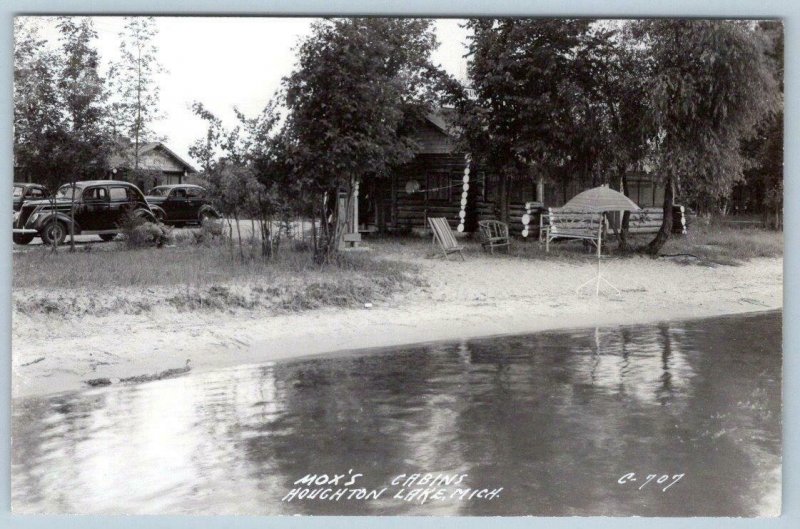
(444,236)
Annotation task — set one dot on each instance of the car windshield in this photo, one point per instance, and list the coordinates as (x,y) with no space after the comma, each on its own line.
(18,190)
(159,191)
(65,191)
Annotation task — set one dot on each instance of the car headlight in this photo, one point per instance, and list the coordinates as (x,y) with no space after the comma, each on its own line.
(16,216)
(33,218)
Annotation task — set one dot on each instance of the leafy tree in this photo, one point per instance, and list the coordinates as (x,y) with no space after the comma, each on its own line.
(709,86)
(359,85)
(84,145)
(765,150)
(206,149)
(252,176)
(622,136)
(59,104)
(38,118)
(134,78)
(533,111)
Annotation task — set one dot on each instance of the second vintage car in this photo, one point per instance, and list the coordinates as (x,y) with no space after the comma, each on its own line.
(100,207)
(26,191)
(181,204)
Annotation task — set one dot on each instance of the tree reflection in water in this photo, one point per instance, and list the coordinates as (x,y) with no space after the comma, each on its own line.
(554,418)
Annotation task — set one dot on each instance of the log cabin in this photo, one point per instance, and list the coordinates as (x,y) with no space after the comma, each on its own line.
(433,184)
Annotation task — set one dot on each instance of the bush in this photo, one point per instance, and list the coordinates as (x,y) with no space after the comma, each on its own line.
(139,232)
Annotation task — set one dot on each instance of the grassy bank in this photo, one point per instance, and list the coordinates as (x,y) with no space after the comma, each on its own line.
(725,244)
(116,280)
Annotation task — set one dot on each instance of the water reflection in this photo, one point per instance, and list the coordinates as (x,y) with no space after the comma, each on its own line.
(554,418)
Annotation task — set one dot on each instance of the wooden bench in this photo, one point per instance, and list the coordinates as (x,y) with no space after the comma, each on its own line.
(494,234)
(560,224)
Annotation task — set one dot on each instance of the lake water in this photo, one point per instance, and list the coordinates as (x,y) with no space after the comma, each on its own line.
(555,419)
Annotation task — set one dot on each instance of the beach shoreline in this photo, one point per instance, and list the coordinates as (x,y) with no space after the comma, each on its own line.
(484,296)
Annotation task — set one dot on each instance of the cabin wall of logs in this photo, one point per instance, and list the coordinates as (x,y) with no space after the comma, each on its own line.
(433,185)
(440,179)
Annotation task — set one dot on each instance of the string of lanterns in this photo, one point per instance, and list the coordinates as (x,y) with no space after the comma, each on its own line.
(526,219)
(462,214)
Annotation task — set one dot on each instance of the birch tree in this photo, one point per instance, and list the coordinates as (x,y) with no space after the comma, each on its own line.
(134,78)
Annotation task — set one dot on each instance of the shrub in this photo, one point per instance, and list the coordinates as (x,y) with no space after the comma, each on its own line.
(139,232)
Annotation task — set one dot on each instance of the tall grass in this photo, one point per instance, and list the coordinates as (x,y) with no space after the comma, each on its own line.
(725,244)
(192,277)
(187,265)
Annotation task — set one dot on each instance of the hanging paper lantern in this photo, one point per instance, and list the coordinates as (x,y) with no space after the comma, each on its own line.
(525,232)
(463,202)
(466,177)
(460,228)
(466,187)
(526,219)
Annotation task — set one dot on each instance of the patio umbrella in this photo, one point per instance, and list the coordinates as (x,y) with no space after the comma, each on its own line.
(600,199)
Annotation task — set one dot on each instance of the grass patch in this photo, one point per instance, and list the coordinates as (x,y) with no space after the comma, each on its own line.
(188,278)
(725,244)
(715,241)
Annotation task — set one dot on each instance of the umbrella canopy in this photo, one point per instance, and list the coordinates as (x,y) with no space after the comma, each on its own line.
(600,199)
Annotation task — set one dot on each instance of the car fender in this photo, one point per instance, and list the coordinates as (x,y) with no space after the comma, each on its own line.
(207,208)
(146,214)
(47,217)
(157,211)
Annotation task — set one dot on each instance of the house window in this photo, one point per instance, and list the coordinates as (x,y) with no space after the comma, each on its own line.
(521,191)
(438,186)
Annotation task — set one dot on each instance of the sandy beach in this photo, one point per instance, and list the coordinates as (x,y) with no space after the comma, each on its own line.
(483,296)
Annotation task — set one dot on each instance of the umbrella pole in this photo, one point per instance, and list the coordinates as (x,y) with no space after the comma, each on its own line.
(599,277)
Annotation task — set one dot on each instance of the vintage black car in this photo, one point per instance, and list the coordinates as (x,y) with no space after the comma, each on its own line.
(26,191)
(181,204)
(100,207)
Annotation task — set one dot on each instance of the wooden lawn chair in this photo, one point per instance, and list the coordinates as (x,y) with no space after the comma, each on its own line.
(494,234)
(444,236)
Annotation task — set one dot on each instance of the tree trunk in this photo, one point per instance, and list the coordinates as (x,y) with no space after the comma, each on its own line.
(72,220)
(624,247)
(313,233)
(666,225)
(138,126)
(502,197)
(239,235)
(340,221)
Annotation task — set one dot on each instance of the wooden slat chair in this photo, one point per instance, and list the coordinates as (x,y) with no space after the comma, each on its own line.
(574,225)
(494,234)
(444,236)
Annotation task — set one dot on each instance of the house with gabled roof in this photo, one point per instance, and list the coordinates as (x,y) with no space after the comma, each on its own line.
(158,165)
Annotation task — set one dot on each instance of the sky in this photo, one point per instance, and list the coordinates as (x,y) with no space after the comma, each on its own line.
(231,62)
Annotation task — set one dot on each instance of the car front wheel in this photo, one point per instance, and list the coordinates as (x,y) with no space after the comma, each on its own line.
(54,233)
